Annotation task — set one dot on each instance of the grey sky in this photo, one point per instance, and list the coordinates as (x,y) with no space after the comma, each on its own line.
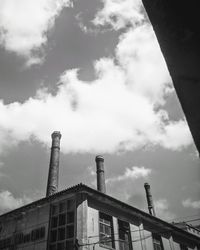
(76,41)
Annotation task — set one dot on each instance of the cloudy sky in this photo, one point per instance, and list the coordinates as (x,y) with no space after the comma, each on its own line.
(93,70)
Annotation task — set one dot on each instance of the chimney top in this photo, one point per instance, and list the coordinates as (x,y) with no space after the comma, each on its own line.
(56,133)
(99,158)
(146,184)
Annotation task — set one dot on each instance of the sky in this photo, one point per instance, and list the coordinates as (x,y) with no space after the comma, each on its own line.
(94,71)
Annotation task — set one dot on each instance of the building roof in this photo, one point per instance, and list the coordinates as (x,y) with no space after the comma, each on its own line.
(110,201)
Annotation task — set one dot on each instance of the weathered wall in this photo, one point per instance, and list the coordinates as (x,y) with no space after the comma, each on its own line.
(141,238)
(25,223)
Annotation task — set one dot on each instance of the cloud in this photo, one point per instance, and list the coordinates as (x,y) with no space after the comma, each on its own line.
(106,115)
(122,109)
(139,54)
(162,209)
(120,13)
(122,186)
(188,203)
(132,174)
(24,25)
(9,202)
(175,135)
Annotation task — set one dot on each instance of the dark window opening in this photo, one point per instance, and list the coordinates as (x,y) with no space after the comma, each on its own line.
(69,245)
(61,233)
(70,205)
(62,207)
(125,242)
(70,217)
(5,243)
(38,233)
(53,236)
(19,238)
(54,221)
(70,232)
(183,247)
(106,233)
(42,232)
(27,238)
(54,210)
(33,235)
(61,246)
(62,219)
(52,247)
(157,242)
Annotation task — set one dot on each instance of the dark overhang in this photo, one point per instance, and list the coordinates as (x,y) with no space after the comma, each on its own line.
(176,24)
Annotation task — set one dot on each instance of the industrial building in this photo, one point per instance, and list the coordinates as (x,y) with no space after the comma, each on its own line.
(84,218)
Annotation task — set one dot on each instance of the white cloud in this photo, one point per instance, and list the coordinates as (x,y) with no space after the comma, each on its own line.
(103,116)
(176,134)
(24,25)
(139,54)
(191,204)
(9,202)
(120,110)
(162,210)
(131,174)
(119,13)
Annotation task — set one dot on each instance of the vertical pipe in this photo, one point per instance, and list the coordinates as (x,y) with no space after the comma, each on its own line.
(101,186)
(52,184)
(149,199)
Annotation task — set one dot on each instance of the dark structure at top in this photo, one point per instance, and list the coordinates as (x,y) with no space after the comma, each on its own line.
(176,24)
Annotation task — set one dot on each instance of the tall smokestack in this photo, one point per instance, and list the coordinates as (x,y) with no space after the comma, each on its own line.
(52,184)
(101,186)
(149,199)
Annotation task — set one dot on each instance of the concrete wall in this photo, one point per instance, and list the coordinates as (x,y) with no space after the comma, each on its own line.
(25,223)
(141,238)
(29,220)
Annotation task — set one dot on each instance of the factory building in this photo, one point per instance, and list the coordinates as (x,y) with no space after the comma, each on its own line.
(87,219)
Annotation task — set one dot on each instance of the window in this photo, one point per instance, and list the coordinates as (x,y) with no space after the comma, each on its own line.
(5,243)
(69,245)
(183,247)
(53,236)
(62,219)
(54,221)
(27,238)
(157,242)
(70,217)
(61,235)
(125,242)
(106,235)
(38,233)
(19,238)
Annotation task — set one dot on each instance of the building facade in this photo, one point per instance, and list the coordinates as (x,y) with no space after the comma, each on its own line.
(83,218)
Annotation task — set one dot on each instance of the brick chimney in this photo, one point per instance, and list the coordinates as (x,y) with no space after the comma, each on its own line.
(101,186)
(149,199)
(52,184)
